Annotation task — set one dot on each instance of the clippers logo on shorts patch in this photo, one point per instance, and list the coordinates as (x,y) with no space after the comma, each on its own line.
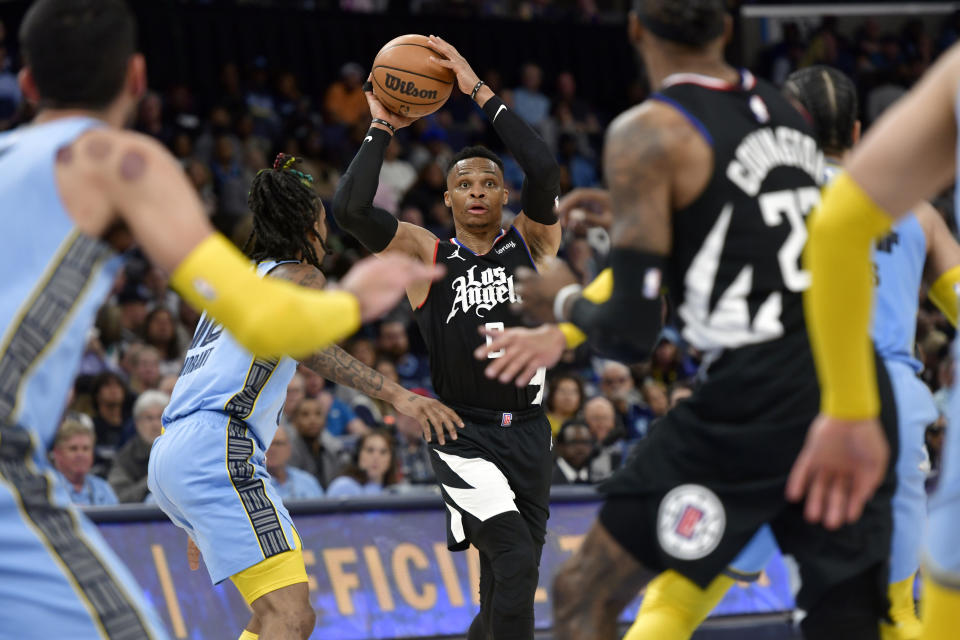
(690,522)
(507,420)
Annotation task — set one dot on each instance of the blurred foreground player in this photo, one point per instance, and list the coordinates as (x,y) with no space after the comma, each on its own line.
(709,182)
(224,413)
(919,248)
(908,155)
(495,476)
(77,190)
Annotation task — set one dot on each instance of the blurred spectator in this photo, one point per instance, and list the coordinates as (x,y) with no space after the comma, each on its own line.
(73,459)
(945,378)
(150,119)
(231,180)
(655,396)
(160,332)
(109,417)
(609,435)
(128,474)
(413,452)
(393,344)
(528,101)
(373,469)
(296,391)
(574,447)
(396,177)
(564,400)
(146,369)
(934,438)
(9,91)
(167,383)
(616,384)
(669,363)
(291,483)
(133,299)
(344,101)
(259,99)
(314,450)
(678,392)
(340,418)
(579,168)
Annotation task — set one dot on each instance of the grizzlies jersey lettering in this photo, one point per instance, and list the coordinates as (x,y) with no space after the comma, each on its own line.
(476,291)
(898,261)
(55,279)
(220,375)
(735,277)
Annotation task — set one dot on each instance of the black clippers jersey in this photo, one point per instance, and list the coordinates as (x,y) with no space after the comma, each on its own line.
(735,274)
(476,291)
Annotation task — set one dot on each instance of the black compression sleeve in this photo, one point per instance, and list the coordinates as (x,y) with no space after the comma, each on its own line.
(626,326)
(541,183)
(353,200)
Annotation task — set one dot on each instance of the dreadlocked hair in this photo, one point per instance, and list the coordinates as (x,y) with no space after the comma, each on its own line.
(285,209)
(830,99)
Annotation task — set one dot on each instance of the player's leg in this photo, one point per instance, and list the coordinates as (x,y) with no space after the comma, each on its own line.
(940,600)
(915,410)
(480,626)
(674,606)
(593,586)
(58,577)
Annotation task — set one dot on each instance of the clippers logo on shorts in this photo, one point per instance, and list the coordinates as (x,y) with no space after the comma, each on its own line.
(690,522)
(507,420)
(492,287)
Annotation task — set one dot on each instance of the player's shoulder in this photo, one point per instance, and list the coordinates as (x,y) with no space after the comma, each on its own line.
(105,155)
(654,126)
(300,273)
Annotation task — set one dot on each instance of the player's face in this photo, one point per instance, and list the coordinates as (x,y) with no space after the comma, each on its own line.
(375,458)
(74,457)
(476,193)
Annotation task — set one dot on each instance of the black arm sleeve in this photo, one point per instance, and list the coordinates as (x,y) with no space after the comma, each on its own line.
(353,200)
(625,327)
(541,182)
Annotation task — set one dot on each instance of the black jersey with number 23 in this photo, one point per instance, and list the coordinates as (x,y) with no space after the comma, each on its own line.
(476,291)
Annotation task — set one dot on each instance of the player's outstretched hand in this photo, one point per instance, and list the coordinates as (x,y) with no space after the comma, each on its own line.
(193,554)
(842,463)
(585,207)
(429,412)
(522,350)
(538,289)
(377,110)
(379,283)
(466,78)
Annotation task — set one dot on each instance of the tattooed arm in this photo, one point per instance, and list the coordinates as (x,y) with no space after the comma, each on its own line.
(336,365)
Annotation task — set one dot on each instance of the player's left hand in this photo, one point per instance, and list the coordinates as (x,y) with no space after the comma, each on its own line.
(840,466)
(429,412)
(537,289)
(193,554)
(466,78)
(524,351)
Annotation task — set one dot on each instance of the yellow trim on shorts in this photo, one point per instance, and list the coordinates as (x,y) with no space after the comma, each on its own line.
(276,572)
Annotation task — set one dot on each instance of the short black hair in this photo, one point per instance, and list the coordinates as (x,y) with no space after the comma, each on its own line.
(830,99)
(78,50)
(285,207)
(692,23)
(475,151)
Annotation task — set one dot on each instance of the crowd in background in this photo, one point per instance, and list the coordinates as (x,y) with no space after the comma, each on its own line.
(335,441)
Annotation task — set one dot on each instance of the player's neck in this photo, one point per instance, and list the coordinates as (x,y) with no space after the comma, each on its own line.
(480,241)
(112,116)
(662,67)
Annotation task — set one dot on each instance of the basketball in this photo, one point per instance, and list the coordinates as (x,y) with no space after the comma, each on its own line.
(406,81)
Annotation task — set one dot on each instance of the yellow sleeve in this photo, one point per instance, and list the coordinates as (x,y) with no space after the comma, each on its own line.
(839,301)
(269,317)
(943,293)
(598,291)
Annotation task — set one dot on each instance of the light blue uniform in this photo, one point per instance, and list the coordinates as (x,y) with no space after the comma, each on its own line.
(300,485)
(58,577)
(208,470)
(898,261)
(95,492)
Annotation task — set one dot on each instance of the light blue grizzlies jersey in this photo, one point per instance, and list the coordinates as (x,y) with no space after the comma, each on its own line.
(54,279)
(220,375)
(898,261)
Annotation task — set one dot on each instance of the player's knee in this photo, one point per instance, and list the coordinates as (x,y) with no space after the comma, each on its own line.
(293,613)
(568,586)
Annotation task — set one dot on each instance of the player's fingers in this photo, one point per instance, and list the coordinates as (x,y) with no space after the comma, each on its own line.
(443,62)
(495,367)
(816,494)
(449,426)
(438,429)
(524,275)
(513,367)
(528,373)
(799,478)
(836,501)
(452,416)
(865,482)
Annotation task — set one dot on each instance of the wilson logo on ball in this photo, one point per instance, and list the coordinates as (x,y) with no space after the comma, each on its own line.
(408,88)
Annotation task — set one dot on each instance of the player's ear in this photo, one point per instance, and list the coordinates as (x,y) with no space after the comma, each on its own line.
(137,76)
(506,196)
(446,199)
(857,130)
(634,28)
(28,85)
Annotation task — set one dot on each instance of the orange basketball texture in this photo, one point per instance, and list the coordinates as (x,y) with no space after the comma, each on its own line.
(406,81)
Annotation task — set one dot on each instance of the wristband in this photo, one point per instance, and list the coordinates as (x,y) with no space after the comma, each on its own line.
(476,88)
(560,301)
(393,129)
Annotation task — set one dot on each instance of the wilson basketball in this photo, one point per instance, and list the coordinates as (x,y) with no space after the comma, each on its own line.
(406,81)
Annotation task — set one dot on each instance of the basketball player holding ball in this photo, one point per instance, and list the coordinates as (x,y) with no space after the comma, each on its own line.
(495,477)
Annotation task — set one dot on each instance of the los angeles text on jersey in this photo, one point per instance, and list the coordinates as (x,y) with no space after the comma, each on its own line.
(493,287)
(766,149)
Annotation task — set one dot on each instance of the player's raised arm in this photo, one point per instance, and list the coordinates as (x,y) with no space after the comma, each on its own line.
(942,269)
(353,209)
(538,222)
(136,177)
